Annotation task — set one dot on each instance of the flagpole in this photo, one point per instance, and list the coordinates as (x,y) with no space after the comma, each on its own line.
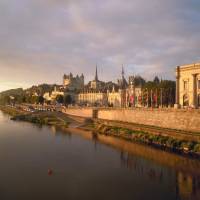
(147,98)
(161,97)
(156,97)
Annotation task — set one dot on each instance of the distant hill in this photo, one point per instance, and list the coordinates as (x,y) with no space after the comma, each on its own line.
(5,95)
(41,89)
(12,92)
(21,95)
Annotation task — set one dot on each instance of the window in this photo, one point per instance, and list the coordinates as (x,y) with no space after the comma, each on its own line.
(185,85)
(198,84)
(185,100)
(198,100)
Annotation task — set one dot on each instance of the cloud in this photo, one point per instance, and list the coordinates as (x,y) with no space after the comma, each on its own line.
(41,40)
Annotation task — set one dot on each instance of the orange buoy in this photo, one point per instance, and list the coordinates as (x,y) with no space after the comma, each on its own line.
(50,172)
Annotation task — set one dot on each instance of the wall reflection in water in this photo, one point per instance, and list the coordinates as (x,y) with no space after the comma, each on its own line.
(149,163)
(187,185)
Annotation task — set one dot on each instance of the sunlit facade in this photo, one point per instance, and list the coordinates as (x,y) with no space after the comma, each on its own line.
(188,86)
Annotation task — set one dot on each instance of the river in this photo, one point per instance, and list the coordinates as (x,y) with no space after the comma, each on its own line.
(85,166)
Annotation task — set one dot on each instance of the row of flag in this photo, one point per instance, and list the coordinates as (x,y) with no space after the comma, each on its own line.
(153,97)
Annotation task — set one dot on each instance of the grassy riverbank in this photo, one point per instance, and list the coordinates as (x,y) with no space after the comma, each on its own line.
(173,142)
(157,140)
(41,118)
(12,110)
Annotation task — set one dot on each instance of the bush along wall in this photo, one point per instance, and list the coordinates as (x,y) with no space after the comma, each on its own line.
(164,142)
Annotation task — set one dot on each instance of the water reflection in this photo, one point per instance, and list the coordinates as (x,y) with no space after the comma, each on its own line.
(187,186)
(187,174)
(89,166)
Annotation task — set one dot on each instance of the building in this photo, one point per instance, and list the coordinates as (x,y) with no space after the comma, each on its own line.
(52,96)
(116,97)
(134,93)
(93,94)
(122,94)
(96,84)
(73,83)
(92,98)
(188,86)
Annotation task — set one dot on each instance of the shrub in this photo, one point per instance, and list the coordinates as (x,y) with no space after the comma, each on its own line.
(196,148)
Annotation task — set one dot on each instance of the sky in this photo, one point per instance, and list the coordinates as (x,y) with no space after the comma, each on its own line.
(40,40)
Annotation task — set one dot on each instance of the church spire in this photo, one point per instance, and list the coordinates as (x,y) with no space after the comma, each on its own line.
(96,74)
(122,71)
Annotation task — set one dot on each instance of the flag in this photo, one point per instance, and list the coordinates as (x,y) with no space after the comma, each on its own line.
(140,98)
(155,98)
(132,99)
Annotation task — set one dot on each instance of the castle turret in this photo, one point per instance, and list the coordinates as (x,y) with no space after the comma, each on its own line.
(96,75)
(82,79)
(122,72)
(64,76)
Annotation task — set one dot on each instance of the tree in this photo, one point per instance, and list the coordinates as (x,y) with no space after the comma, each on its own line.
(156,80)
(5,100)
(68,99)
(40,99)
(34,99)
(59,99)
(164,89)
(139,81)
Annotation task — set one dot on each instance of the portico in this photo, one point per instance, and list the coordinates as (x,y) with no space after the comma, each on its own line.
(188,86)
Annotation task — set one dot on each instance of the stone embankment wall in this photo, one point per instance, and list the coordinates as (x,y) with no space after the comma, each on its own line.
(174,119)
(188,120)
(80,112)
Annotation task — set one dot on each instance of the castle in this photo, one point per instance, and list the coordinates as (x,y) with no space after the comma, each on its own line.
(73,83)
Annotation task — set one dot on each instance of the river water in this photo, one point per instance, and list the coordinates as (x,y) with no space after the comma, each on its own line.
(87,167)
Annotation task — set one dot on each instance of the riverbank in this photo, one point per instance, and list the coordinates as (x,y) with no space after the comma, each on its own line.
(175,143)
(171,140)
(13,111)
(39,117)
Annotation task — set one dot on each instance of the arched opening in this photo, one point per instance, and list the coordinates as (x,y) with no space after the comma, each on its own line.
(185,100)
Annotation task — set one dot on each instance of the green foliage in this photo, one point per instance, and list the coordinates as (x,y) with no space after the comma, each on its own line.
(40,100)
(12,96)
(160,140)
(139,81)
(40,89)
(60,99)
(67,99)
(156,80)
(197,148)
(158,88)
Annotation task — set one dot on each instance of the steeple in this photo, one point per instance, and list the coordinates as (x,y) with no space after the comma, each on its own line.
(96,74)
(122,72)
(123,82)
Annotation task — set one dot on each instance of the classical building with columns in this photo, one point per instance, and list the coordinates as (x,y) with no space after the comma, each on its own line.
(188,86)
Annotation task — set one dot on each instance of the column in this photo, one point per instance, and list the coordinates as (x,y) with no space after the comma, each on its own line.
(194,91)
(177,104)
